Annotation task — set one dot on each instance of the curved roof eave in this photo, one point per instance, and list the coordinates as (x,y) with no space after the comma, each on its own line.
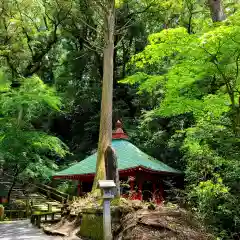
(129,157)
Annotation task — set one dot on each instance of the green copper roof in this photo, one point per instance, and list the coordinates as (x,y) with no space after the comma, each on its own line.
(128,155)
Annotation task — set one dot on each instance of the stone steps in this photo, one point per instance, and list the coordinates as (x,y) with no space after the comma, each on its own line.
(37,198)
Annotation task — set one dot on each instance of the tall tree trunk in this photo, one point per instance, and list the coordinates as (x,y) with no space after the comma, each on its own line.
(105,132)
(217,10)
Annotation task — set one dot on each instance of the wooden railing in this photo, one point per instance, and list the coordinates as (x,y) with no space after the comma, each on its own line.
(36,217)
(16,214)
(52,193)
(32,209)
(52,210)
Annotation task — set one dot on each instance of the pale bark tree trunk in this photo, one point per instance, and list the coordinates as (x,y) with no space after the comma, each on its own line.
(217,11)
(105,132)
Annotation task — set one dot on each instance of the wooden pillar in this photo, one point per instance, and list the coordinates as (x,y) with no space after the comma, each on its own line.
(38,221)
(131,185)
(27,207)
(161,192)
(140,183)
(79,188)
(154,190)
(49,207)
(131,182)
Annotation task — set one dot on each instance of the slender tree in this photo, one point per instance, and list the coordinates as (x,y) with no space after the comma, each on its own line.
(217,10)
(105,133)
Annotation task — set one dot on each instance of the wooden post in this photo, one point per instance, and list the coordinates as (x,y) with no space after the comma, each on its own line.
(32,219)
(49,207)
(48,194)
(31,204)
(39,221)
(140,190)
(161,192)
(131,186)
(79,188)
(154,190)
(52,216)
(161,189)
(27,207)
(131,182)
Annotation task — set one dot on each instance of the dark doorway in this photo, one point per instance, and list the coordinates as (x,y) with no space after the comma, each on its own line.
(147,190)
(86,187)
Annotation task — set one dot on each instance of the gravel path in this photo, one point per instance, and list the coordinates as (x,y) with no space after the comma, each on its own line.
(23,230)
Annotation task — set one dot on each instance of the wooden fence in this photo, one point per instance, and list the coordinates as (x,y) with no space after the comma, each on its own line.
(30,208)
(52,193)
(16,214)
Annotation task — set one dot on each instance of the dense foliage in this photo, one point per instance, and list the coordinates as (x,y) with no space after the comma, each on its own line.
(198,74)
(176,88)
(27,151)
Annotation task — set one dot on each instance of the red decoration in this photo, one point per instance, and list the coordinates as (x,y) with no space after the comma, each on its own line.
(131,178)
(119,133)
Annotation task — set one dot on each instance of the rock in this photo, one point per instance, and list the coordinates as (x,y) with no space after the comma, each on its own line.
(151,206)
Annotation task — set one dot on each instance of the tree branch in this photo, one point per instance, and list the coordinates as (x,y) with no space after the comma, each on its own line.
(84,22)
(121,39)
(143,11)
(35,65)
(228,85)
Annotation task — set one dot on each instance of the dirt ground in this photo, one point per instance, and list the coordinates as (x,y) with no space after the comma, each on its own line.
(138,222)
(159,224)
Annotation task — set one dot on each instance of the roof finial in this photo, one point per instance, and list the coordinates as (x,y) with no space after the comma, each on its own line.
(118,124)
(119,133)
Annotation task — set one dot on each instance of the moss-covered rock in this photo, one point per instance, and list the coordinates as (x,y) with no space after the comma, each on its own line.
(92,226)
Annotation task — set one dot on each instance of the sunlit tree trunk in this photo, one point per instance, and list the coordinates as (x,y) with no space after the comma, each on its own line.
(105,133)
(217,10)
